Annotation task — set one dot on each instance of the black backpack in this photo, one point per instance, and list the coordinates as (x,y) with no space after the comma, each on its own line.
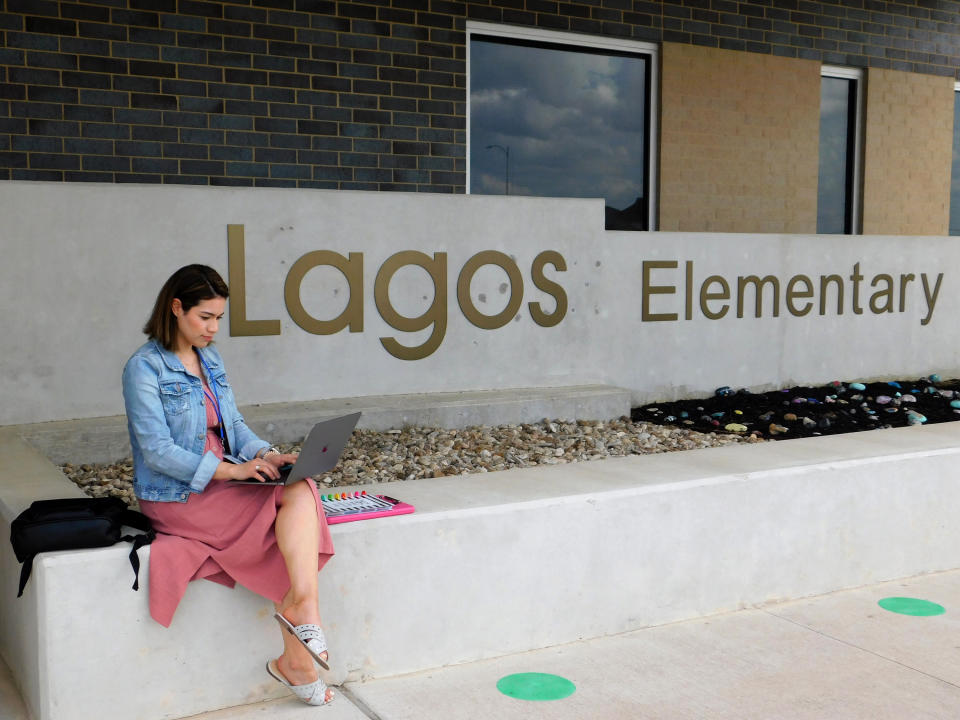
(73,524)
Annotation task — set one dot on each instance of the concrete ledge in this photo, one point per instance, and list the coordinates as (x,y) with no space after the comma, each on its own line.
(105,439)
(531,558)
(26,476)
(503,562)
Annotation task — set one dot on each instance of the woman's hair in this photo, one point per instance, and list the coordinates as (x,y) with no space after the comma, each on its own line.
(192,285)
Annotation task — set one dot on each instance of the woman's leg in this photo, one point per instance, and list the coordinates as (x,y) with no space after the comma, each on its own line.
(298,537)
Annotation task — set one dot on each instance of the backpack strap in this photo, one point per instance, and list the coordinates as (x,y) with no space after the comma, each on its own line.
(138,521)
(25,574)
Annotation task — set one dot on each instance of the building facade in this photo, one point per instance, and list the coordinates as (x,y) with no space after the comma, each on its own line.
(726,131)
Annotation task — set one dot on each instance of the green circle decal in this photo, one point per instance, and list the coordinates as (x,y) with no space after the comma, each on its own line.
(536,686)
(911,606)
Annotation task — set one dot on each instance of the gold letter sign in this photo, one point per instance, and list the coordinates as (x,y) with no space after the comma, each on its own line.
(236,262)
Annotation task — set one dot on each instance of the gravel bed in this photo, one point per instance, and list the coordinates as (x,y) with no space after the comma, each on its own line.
(374,457)
(803,411)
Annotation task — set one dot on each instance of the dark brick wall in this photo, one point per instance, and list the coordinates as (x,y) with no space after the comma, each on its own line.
(351,95)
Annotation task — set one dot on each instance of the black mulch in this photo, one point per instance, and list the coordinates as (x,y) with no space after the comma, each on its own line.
(804,411)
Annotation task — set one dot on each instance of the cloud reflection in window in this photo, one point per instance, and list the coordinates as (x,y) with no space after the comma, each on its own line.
(573,119)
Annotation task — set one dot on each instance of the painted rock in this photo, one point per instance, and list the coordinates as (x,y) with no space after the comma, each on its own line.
(857,386)
(809,423)
(735,427)
(915,418)
(777,429)
(894,383)
(955,403)
(908,398)
(934,378)
(723,391)
(884,399)
(789,417)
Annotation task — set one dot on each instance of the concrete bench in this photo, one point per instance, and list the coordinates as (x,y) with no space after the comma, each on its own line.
(492,564)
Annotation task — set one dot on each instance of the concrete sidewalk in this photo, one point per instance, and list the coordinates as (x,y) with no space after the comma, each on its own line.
(831,657)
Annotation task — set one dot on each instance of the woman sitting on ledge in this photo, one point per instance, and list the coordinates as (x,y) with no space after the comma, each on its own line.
(183,421)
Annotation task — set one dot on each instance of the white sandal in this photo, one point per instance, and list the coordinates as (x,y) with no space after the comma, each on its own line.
(310,636)
(314,693)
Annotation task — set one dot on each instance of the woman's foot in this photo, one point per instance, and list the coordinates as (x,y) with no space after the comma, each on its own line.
(305,613)
(297,673)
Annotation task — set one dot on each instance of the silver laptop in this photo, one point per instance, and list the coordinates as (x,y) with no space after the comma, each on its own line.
(320,452)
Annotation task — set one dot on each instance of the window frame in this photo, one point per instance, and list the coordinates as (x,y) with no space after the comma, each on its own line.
(575,40)
(855,181)
(956,120)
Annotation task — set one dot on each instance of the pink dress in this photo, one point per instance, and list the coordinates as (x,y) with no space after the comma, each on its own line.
(224,534)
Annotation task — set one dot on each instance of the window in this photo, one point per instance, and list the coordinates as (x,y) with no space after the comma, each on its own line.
(955,168)
(838,186)
(557,115)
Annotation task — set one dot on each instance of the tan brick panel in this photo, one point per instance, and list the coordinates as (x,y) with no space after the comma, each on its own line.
(907,155)
(739,141)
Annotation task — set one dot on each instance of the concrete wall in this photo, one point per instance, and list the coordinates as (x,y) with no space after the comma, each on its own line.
(495,564)
(909,130)
(83,263)
(739,141)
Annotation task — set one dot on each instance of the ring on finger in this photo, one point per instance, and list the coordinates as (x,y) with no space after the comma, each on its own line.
(256,467)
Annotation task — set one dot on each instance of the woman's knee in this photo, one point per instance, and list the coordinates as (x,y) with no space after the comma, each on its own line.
(298,494)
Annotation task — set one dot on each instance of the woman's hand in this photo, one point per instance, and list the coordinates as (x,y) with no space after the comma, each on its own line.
(263,468)
(257,469)
(278,460)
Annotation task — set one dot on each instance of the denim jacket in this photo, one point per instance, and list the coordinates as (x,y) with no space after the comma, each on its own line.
(167,419)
